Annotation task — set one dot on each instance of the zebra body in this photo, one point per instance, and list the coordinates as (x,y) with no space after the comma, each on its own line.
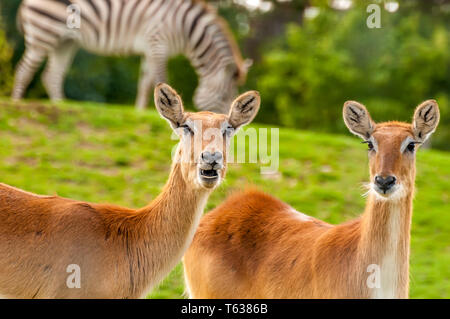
(153,29)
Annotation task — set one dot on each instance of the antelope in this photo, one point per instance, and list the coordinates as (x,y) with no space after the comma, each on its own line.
(120,252)
(256,246)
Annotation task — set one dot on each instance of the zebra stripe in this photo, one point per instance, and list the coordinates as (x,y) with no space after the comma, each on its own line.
(153,29)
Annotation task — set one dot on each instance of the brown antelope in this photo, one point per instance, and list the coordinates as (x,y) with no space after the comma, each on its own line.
(256,246)
(120,252)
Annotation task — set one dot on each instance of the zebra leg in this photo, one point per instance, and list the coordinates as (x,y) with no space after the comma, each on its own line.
(152,71)
(59,61)
(31,60)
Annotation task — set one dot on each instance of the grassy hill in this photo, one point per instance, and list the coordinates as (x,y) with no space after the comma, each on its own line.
(103,153)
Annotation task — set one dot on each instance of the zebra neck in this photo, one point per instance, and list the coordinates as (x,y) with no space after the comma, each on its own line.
(208,44)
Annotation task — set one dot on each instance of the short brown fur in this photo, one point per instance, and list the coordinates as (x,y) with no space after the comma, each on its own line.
(255,246)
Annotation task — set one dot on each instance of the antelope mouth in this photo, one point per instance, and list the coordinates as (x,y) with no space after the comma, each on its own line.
(209,174)
(208,178)
(394,193)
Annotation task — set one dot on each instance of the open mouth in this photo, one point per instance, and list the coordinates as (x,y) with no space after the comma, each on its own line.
(209,173)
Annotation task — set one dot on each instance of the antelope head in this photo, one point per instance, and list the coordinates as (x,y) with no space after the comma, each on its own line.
(204,136)
(392,146)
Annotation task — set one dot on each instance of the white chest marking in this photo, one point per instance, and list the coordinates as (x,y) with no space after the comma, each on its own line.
(389,267)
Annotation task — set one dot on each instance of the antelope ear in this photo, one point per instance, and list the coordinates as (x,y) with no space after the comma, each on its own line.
(426,119)
(169,105)
(244,109)
(358,119)
(247,64)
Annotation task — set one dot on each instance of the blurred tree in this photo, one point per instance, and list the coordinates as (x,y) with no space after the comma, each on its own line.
(254,27)
(335,57)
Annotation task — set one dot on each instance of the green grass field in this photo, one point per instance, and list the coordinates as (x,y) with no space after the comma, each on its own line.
(104,153)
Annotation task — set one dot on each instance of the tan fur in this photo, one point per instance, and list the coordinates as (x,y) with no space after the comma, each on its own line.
(255,246)
(122,252)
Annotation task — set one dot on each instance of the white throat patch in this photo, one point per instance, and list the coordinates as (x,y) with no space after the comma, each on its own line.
(389,268)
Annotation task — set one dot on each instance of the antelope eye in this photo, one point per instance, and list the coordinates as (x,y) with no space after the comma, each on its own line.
(228,131)
(411,146)
(370,145)
(187,129)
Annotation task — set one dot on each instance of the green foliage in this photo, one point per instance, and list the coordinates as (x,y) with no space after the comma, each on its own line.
(315,68)
(182,76)
(6,76)
(101,79)
(123,157)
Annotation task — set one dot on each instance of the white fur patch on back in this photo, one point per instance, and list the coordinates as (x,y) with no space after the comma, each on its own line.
(301,216)
(24,192)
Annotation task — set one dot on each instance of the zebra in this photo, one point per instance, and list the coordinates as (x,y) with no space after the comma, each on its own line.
(153,29)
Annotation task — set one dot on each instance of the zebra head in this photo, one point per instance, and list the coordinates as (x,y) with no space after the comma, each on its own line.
(217,89)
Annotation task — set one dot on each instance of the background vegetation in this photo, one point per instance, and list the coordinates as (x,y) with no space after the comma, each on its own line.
(310,56)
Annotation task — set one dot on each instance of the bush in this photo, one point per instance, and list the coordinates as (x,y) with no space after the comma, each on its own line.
(6,76)
(335,57)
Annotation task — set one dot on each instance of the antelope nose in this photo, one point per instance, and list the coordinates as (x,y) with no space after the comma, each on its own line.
(212,158)
(385,183)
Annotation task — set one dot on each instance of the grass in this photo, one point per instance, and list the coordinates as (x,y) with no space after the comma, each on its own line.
(105,153)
